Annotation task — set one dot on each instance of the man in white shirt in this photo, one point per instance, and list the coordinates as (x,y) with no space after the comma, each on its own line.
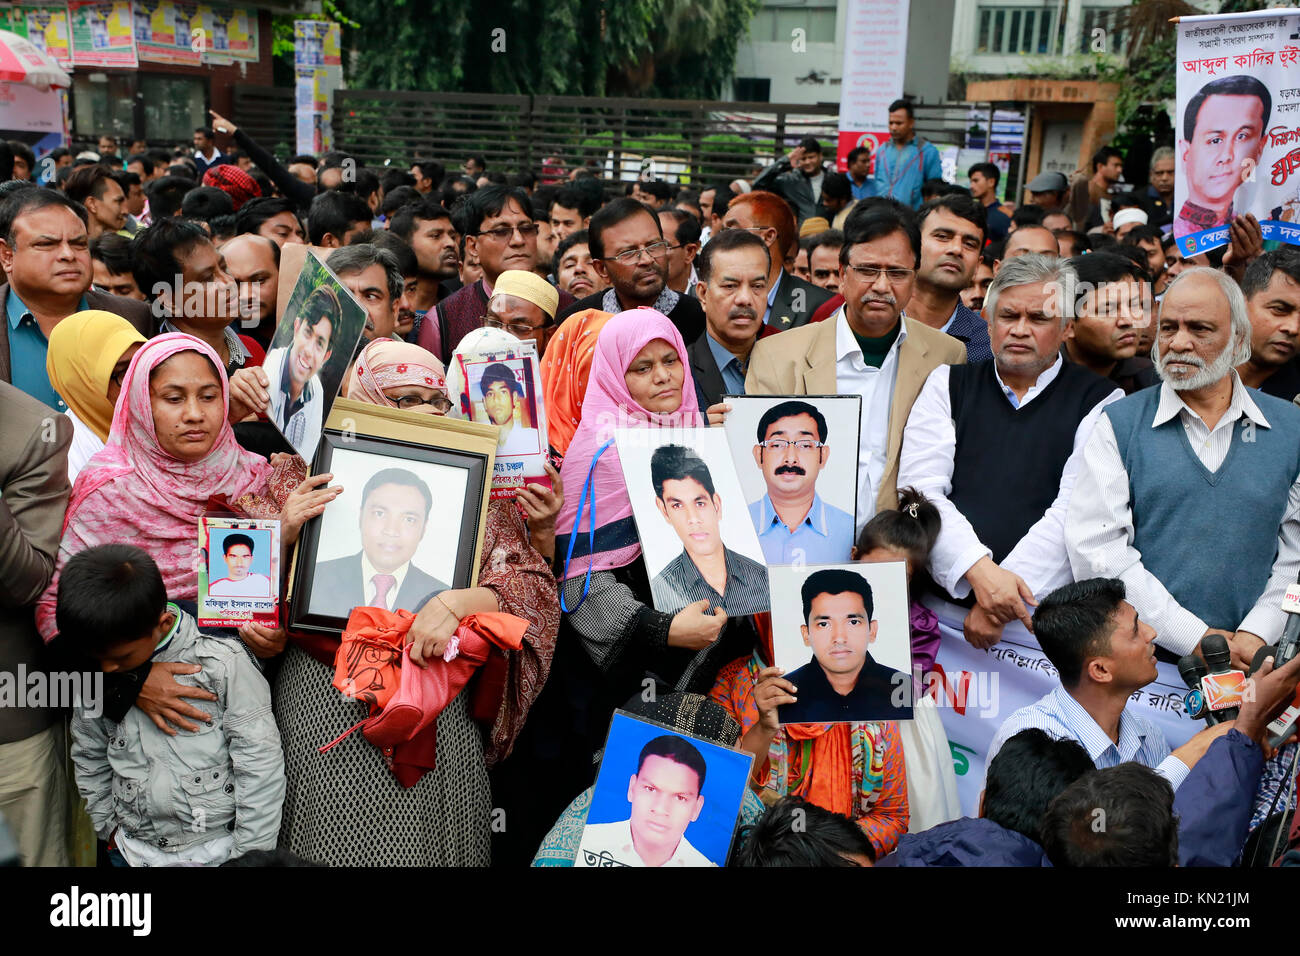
(667,796)
(239,580)
(996,446)
(867,348)
(1190,493)
(500,390)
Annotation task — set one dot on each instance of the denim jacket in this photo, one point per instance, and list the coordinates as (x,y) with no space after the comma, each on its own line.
(175,792)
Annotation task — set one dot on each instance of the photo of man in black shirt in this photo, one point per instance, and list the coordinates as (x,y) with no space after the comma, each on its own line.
(842,682)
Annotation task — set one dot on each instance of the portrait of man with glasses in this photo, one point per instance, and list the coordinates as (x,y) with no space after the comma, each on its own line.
(794,524)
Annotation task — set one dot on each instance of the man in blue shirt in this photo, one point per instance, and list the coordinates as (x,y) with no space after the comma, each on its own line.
(905,162)
(45,251)
(1104,654)
(794,524)
(732,289)
(861,182)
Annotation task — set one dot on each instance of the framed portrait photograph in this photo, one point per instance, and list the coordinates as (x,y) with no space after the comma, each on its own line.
(501,388)
(239,579)
(696,536)
(309,354)
(662,798)
(797,460)
(408,523)
(843,637)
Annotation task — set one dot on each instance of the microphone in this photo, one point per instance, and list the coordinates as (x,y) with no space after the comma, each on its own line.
(1221,687)
(1191,668)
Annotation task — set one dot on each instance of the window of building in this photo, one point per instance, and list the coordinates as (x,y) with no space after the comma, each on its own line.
(753,89)
(1018,30)
(1101,23)
(103,103)
(173,106)
(777,24)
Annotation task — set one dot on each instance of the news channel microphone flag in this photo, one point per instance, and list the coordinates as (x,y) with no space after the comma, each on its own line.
(1237,126)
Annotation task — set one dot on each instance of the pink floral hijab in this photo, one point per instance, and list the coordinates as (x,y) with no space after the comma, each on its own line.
(385,363)
(134,492)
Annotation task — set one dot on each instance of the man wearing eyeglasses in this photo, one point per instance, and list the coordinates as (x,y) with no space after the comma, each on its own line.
(794,524)
(523,304)
(867,347)
(629,253)
(500,233)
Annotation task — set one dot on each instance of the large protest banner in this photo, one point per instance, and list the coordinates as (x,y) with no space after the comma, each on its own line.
(875,52)
(1238,126)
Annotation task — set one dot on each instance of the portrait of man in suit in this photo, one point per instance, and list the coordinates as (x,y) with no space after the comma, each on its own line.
(395,505)
(842,682)
(706,569)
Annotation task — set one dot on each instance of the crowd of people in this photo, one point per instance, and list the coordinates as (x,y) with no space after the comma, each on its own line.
(1072,436)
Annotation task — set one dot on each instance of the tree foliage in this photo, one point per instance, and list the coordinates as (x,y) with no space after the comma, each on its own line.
(674,48)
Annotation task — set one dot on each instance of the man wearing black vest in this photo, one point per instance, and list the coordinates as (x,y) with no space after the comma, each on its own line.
(1189,493)
(996,446)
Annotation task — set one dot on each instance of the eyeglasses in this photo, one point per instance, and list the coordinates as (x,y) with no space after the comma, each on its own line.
(526,230)
(438,403)
(781,444)
(872,273)
(517,329)
(629,256)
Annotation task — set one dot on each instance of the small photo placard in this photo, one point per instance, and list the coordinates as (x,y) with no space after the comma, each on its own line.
(663,798)
(239,580)
(842,634)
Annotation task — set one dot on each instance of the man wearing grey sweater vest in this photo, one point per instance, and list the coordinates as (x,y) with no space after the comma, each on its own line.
(1189,490)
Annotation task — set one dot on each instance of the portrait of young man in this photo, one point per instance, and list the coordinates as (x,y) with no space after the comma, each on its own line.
(842,682)
(666,795)
(706,569)
(1222,139)
(297,397)
(395,505)
(240,580)
(794,524)
(500,391)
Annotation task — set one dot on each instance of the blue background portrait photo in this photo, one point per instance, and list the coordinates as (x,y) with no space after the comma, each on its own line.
(724,784)
(217,555)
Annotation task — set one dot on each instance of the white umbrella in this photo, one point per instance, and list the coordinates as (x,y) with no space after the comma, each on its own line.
(22,62)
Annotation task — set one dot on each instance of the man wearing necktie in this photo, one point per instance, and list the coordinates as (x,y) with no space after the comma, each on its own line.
(395,507)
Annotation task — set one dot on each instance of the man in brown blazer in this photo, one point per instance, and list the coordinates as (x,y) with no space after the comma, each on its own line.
(867,348)
(45,252)
(33,497)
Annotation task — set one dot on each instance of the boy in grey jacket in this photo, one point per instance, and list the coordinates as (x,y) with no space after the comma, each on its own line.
(194,798)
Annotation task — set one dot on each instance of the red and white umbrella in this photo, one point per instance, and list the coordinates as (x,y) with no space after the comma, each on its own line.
(22,62)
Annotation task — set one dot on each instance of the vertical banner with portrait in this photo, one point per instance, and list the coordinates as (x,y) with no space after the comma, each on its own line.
(842,635)
(797,459)
(313,344)
(502,388)
(1238,126)
(382,542)
(696,536)
(239,579)
(662,798)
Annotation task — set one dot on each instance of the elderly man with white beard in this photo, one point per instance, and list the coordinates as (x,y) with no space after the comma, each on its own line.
(1189,493)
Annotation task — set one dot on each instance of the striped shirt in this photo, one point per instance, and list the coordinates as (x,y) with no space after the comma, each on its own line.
(1099,528)
(1064,718)
(680,583)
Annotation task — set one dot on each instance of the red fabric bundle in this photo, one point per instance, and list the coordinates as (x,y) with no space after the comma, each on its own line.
(373,664)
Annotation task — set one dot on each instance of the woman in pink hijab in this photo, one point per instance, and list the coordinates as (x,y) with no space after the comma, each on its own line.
(170,456)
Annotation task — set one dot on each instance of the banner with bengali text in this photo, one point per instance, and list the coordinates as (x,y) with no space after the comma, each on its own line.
(875,52)
(1237,126)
